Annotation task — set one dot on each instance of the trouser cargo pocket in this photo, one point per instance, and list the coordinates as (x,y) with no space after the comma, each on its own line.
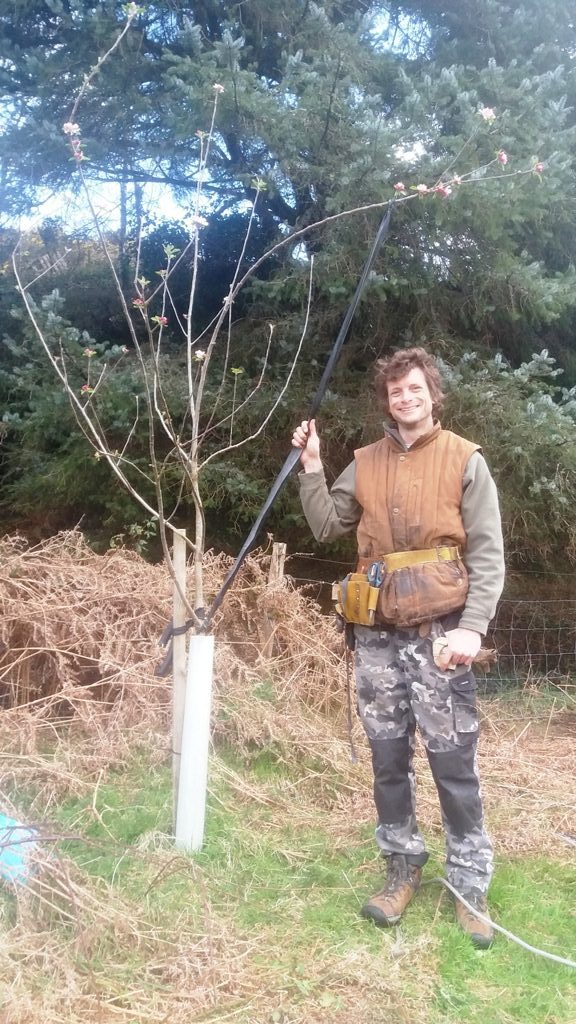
(464,706)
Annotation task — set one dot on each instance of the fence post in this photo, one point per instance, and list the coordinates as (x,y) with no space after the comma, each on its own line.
(275,576)
(277,560)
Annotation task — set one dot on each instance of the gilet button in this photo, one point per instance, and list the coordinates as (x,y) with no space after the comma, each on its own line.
(395,511)
(402,458)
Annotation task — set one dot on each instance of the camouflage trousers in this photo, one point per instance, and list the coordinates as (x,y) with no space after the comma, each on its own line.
(399,687)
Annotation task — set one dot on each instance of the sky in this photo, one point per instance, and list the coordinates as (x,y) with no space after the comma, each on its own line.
(72,209)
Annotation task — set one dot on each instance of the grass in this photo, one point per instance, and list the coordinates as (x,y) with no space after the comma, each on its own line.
(261,926)
(535,899)
(279,888)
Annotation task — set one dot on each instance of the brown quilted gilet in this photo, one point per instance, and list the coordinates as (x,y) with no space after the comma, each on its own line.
(411,500)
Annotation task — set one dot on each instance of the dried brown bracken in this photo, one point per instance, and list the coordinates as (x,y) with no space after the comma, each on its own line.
(79,634)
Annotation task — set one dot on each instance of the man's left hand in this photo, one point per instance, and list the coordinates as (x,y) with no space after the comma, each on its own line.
(463,646)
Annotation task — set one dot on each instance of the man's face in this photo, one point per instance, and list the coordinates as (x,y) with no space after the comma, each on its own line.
(410,402)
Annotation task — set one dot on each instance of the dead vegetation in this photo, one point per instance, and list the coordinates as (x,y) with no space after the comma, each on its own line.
(79,635)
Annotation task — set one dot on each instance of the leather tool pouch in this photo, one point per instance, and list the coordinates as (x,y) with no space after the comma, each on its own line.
(356,599)
(419,593)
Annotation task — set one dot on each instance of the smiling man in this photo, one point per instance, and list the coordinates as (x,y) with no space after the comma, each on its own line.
(430,559)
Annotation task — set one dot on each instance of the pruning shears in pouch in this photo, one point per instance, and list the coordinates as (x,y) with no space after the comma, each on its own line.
(374,574)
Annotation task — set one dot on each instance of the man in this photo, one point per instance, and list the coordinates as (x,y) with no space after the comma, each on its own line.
(429,535)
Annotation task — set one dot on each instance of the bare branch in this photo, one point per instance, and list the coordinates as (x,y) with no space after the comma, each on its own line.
(132,11)
(267,418)
(210,429)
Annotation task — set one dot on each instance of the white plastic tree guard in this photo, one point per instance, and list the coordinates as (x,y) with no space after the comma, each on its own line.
(193,775)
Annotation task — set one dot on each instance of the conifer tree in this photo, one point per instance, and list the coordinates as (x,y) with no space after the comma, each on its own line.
(332,106)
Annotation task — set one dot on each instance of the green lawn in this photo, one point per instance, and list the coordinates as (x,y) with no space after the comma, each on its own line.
(262,925)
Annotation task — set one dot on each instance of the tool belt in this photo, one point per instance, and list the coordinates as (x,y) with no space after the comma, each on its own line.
(403,588)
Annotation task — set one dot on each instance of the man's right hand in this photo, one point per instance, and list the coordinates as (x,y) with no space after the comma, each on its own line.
(306,438)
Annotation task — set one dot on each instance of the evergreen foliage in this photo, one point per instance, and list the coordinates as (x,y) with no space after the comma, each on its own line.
(51,478)
(329,104)
(526,423)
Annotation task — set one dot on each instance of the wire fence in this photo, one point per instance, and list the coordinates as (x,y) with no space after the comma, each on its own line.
(535,636)
(535,639)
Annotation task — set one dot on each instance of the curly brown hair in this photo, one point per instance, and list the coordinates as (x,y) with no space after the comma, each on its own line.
(399,364)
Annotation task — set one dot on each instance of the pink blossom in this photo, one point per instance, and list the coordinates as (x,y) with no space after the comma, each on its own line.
(70,128)
(400,187)
(138,302)
(443,190)
(538,167)
(218,88)
(502,157)
(422,189)
(89,352)
(86,389)
(76,146)
(487,114)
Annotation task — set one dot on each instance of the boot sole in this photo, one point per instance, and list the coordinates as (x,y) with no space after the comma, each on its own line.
(378,917)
